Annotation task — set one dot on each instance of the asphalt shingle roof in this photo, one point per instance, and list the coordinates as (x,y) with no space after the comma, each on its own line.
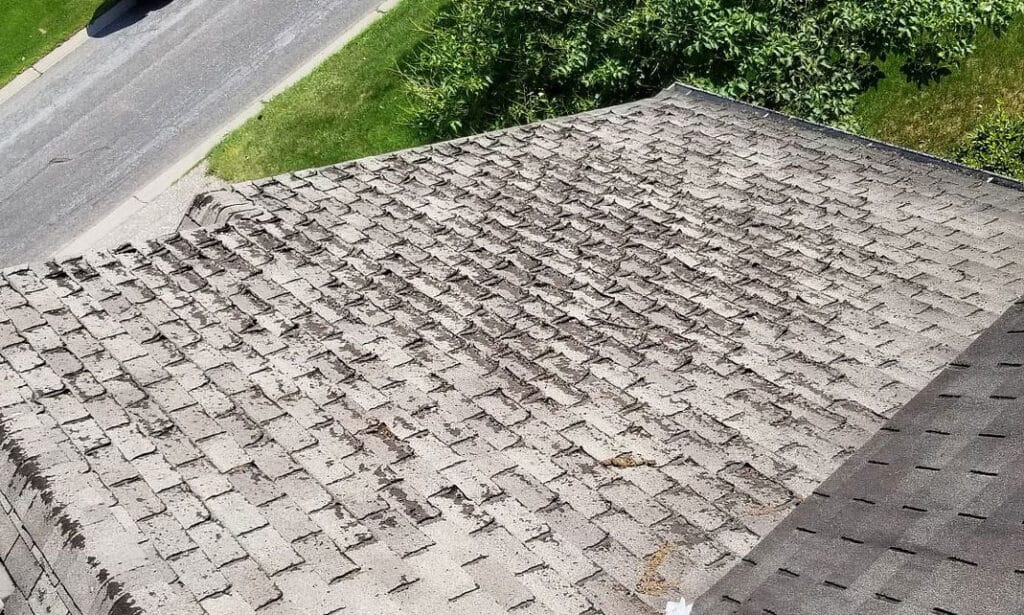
(928,517)
(580,366)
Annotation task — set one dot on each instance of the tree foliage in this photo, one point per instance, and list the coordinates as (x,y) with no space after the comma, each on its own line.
(996,144)
(493,63)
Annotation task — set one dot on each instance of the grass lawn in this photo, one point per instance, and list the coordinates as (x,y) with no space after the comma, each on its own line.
(29,29)
(354,105)
(937,117)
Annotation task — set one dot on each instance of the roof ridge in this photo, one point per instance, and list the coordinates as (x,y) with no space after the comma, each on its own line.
(217,207)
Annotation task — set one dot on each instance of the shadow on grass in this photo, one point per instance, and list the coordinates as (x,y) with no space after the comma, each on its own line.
(99,27)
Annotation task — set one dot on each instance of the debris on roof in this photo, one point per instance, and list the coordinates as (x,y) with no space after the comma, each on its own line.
(400,385)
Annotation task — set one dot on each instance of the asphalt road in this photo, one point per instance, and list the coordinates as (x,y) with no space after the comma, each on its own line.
(137,97)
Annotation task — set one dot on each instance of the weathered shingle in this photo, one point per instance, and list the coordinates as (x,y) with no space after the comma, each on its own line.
(927,517)
(574,367)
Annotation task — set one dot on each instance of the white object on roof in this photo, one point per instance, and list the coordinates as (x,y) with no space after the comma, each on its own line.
(678,608)
(6,585)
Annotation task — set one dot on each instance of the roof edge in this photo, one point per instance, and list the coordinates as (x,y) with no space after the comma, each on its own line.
(218,207)
(682,90)
(101,566)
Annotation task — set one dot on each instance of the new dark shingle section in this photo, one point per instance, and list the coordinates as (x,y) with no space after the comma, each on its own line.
(928,517)
(581,366)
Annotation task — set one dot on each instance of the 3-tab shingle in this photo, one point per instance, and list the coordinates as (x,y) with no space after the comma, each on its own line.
(926,517)
(577,366)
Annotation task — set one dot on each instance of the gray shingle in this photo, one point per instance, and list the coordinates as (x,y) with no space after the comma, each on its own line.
(608,352)
(925,517)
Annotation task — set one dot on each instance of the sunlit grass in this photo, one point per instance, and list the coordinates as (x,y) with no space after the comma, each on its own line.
(937,117)
(356,104)
(29,29)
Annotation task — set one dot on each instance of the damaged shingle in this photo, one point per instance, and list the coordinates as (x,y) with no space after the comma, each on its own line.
(563,368)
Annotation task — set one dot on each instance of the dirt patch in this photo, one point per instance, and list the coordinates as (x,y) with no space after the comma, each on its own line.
(652,583)
(628,460)
(774,508)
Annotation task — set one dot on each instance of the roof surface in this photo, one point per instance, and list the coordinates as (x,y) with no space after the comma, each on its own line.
(928,517)
(574,367)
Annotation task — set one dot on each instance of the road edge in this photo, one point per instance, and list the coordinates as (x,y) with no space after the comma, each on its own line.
(45,63)
(164,180)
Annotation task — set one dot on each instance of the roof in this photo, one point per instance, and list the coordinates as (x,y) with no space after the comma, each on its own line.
(928,517)
(572,367)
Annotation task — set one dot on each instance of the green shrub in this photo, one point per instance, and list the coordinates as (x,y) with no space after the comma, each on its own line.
(493,63)
(996,144)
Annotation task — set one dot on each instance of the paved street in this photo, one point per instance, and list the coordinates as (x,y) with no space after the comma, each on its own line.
(137,97)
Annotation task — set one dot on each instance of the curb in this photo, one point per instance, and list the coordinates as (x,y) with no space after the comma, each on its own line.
(166,179)
(63,50)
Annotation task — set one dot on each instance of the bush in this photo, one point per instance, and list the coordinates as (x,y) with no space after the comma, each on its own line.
(996,144)
(494,63)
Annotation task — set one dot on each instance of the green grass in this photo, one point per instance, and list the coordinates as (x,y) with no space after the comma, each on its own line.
(29,29)
(356,104)
(937,117)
